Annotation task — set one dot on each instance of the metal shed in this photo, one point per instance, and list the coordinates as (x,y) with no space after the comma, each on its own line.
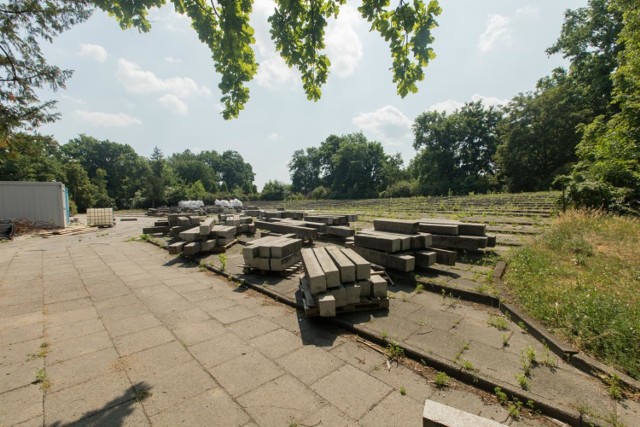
(35,201)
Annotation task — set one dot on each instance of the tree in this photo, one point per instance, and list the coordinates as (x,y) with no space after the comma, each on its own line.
(189,168)
(274,190)
(235,172)
(158,180)
(608,173)
(23,68)
(25,157)
(297,28)
(540,132)
(304,170)
(456,150)
(81,190)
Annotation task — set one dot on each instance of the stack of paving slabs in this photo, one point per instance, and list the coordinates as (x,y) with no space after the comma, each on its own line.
(206,237)
(455,235)
(244,224)
(338,280)
(400,245)
(272,253)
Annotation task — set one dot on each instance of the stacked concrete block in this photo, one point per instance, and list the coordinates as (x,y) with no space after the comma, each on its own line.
(243,223)
(337,279)
(455,235)
(396,244)
(272,253)
(197,236)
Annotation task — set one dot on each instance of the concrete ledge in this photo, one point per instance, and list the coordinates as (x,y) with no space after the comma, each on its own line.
(437,414)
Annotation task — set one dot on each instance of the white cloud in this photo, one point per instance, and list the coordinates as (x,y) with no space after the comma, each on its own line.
(73,99)
(273,73)
(170,20)
(387,124)
(497,31)
(450,105)
(343,43)
(527,11)
(99,118)
(273,136)
(137,80)
(172,60)
(93,51)
(174,104)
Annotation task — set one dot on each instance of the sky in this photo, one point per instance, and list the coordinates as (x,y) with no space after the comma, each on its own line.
(161,89)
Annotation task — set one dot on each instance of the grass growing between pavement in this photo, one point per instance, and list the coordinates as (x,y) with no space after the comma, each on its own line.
(581,278)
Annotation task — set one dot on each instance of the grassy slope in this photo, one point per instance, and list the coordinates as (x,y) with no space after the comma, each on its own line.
(582,279)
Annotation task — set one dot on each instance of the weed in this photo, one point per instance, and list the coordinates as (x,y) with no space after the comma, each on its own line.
(530,355)
(394,351)
(202,265)
(498,322)
(385,335)
(467,365)
(42,379)
(531,404)
(223,261)
(145,237)
(522,326)
(403,391)
(614,387)
(441,380)
(419,288)
(514,409)
(548,360)
(266,283)
(523,380)
(44,349)
(501,395)
(505,340)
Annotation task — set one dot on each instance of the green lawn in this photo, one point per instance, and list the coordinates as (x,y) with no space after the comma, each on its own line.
(582,279)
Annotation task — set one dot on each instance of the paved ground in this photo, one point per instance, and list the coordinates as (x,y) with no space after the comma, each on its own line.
(119,333)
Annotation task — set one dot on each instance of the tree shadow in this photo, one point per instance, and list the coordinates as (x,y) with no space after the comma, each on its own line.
(115,412)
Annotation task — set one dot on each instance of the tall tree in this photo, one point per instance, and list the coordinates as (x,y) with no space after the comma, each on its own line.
(23,67)
(25,157)
(158,180)
(304,170)
(457,149)
(81,190)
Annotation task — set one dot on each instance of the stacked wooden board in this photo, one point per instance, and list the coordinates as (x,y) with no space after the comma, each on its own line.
(455,235)
(206,237)
(272,253)
(339,280)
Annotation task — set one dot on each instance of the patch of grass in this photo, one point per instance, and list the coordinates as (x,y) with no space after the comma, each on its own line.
(614,387)
(223,261)
(42,379)
(419,288)
(505,340)
(514,409)
(523,380)
(403,391)
(441,380)
(394,351)
(145,237)
(42,352)
(501,395)
(498,322)
(580,278)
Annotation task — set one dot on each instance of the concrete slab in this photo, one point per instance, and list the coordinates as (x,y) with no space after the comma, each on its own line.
(403,410)
(75,347)
(277,343)
(81,369)
(219,350)
(232,314)
(309,363)
(17,375)
(21,405)
(351,390)
(141,365)
(359,356)
(132,324)
(196,332)
(282,401)
(142,340)
(252,327)
(242,374)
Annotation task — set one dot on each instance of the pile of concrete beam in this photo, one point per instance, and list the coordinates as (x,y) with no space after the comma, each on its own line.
(272,253)
(306,226)
(244,224)
(338,279)
(455,235)
(174,224)
(400,245)
(205,237)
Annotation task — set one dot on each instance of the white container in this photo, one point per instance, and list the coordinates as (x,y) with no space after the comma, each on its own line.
(46,203)
(100,217)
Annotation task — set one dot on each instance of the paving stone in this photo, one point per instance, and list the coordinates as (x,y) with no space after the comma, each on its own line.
(200,295)
(394,410)
(20,374)
(175,386)
(232,314)
(469,402)
(74,347)
(166,308)
(190,287)
(280,402)
(212,407)
(69,305)
(129,413)
(111,291)
(253,327)
(12,335)
(74,403)
(328,415)
(33,422)
(359,356)
(310,363)
(277,343)
(65,318)
(142,340)
(118,301)
(443,320)
(18,352)
(242,374)
(81,369)
(415,386)
(66,296)
(351,390)
(212,305)
(20,405)
(196,332)
(141,365)
(220,349)
(7,310)
(183,317)
(132,324)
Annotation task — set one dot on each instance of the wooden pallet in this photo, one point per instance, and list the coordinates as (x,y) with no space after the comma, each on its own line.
(365,304)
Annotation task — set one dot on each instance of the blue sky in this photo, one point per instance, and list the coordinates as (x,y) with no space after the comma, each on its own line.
(160,88)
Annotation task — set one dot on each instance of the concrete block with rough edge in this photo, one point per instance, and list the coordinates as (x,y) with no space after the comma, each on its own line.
(326,305)
(378,286)
(261,264)
(396,226)
(425,259)
(285,247)
(346,267)
(331,272)
(191,235)
(208,245)
(437,414)
(363,267)
(205,226)
(191,248)
(340,295)
(365,288)
(447,229)
(313,272)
